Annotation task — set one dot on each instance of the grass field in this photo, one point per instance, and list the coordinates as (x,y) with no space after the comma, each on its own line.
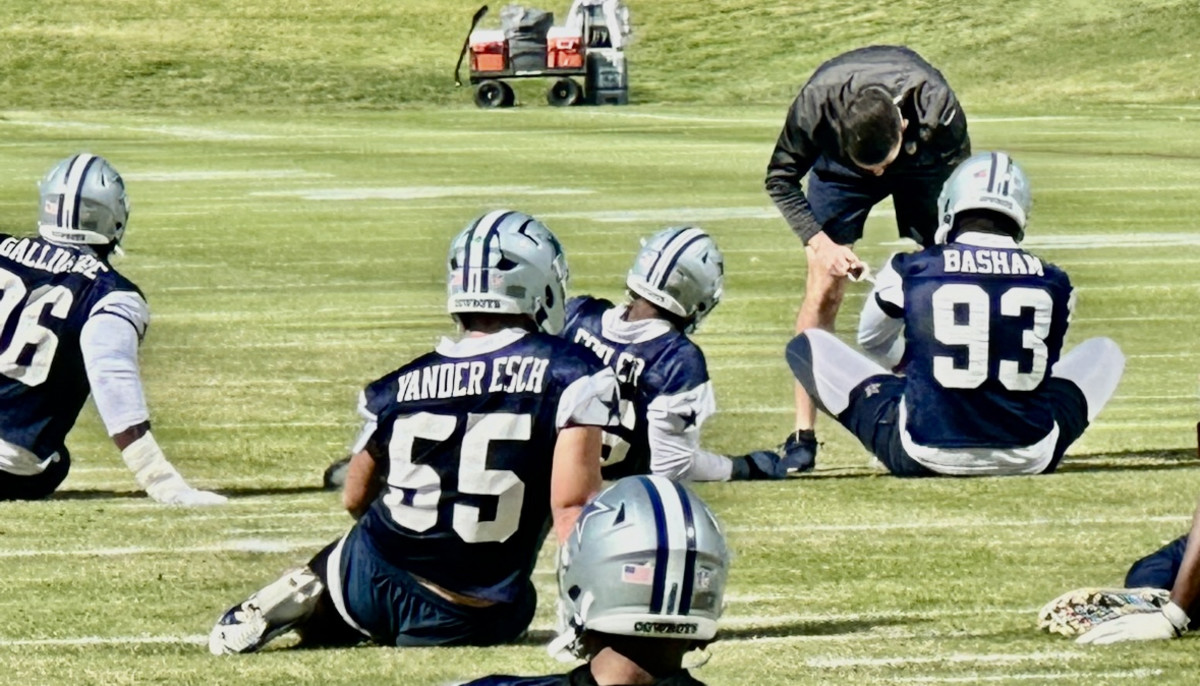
(289,262)
(295,181)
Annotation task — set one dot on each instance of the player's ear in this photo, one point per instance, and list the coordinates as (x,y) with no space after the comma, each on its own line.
(903,124)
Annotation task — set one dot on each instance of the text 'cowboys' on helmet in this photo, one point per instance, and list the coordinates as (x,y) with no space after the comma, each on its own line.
(680,270)
(646,558)
(985,181)
(507,262)
(83,202)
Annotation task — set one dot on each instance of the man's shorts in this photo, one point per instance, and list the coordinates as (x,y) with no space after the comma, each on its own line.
(874,411)
(841,198)
(388,605)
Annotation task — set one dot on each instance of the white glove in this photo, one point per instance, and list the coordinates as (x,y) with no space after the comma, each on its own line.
(159,478)
(1146,626)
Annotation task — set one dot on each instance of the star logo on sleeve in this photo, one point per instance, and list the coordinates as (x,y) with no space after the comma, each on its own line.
(613,405)
(689,419)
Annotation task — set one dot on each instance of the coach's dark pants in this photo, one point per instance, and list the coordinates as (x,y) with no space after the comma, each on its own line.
(841,199)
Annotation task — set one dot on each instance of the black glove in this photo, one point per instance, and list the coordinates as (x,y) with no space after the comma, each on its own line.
(758,466)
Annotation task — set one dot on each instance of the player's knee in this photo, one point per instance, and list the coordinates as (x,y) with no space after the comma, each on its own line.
(1109,351)
(800,358)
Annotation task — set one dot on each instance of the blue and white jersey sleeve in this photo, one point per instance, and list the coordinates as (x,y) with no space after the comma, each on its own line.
(370,424)
(882,318)
(673,425)
(109,343)
(591,400)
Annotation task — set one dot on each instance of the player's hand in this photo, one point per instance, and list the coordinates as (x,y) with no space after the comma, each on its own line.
(1146,626)
(833,259)
(187,496)
(759,465)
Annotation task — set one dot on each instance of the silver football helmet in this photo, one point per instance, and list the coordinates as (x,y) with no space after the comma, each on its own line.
(646,558)
(507,262)
(83,202)
(681,270)
(985,181)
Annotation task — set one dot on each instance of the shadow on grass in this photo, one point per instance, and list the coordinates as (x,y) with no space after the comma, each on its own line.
(1129,460)
(233,493)
(1174,458)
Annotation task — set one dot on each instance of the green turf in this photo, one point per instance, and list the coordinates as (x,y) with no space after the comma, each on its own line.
(383,54)
(274,303)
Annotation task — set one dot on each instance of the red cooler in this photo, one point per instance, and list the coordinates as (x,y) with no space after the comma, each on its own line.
(489,50)
(564,48)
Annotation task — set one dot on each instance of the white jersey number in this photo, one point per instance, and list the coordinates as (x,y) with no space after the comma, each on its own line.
(420,513)
(974,333)
(29,330)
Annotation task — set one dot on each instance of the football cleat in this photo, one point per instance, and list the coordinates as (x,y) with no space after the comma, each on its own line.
(271,612)
(1075,612)
(799,451)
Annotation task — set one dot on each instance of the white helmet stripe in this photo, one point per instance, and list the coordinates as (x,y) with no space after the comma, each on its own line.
(670,255)
(675,522)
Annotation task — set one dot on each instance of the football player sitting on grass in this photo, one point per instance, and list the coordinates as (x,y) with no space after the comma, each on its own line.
(676,281)
(469,455)
(72,327)
(976,325)
(1159,602)
(641,583)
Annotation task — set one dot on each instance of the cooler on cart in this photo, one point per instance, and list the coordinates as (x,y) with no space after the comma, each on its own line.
(589,46)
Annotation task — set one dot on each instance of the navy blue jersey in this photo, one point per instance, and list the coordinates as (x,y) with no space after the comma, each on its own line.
(48,293)
(983,325)
(665,365)
(469,440)
(580,676)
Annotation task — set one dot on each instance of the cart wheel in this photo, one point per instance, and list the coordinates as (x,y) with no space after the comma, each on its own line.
(564,93)
(490,94)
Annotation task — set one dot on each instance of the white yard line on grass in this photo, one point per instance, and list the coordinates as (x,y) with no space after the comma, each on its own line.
(242,546)
(959,524)
(953,658)
(1080,677)
(194,639)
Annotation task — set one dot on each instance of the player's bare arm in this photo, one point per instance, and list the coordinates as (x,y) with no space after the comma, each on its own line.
(575,477)
(362,483)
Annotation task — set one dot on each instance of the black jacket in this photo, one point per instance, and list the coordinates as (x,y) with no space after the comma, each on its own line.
(936,136)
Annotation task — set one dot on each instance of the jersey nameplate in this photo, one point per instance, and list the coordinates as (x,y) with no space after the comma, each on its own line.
(513,374)
(990,262)
(628,368)
(50,258)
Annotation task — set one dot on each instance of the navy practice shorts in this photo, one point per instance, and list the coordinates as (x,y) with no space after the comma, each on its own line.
(874,411)
(388,605)
(1159,569)
(841,198)
(36,486)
